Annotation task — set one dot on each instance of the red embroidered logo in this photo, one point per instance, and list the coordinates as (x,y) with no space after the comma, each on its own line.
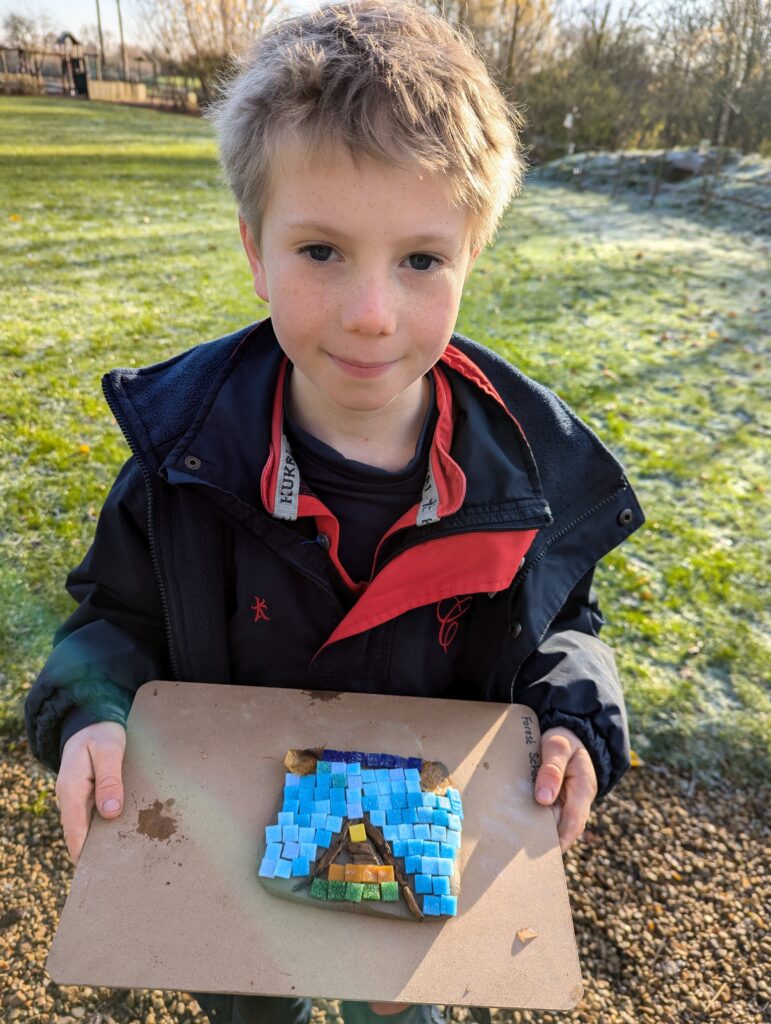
(448,612)
(259,608)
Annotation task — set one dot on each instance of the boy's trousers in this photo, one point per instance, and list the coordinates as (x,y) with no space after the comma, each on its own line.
(225,1009)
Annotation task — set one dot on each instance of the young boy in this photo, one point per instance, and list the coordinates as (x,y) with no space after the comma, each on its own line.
(348,496)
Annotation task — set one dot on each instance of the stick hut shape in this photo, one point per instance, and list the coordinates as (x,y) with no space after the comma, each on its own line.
(368,833)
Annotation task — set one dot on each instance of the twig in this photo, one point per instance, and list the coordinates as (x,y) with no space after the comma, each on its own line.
(714,998)
(384,850)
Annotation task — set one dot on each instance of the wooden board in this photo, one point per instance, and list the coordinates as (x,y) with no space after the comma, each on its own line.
(166,896)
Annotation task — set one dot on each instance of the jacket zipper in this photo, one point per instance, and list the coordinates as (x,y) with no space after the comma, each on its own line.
(150,537)
(521,576)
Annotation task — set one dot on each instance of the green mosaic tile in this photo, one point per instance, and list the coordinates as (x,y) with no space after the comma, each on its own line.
(320,888)
(389,891)
(371,891)
(354,891)
(336,891)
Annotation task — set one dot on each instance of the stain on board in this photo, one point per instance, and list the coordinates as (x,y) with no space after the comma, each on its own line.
(153,823)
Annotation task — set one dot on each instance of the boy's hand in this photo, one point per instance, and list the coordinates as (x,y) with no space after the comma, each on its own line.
(567,776)
(90,774)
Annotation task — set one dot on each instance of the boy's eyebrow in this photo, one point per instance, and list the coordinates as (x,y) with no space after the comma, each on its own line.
(413,240)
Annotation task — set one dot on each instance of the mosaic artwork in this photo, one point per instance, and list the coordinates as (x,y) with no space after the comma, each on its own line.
(368,833)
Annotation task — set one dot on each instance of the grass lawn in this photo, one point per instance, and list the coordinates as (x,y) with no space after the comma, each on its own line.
(120,248)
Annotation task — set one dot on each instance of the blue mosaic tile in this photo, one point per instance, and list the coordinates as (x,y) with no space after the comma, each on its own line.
(383,786)
(290,850)
(392,817)
(338,781)
(449,905)
(429,865)
(370,789)
(428,799)
(378,818)
(453,821)
(441,817)
(414,799)
(337,802)
(414,764)
(285,818)
(322,787)
(453,838)
(432,906)
(307,805)
(273,851)
(448,852)
(444,866)
(410,816)
(439,832)
(323,838)
(290,833)
(398,786)
(367,776)
(412,775)
(338,768)
(291,781)
(300,867)
(391,833)
(405,832)
(441,885)
(425,814)
(308,850)
(334,822)
(384,802)
(396,774)
(399,847)
(306,834)
(322,807)
(303,820)
(414,847)
(354,786)
(412,865)
(323,768)
(353,768)
(353,809)
(444,803)
(283,868)
(422,831)
(369,803)
(330,755)
(306,783)
(412,787)
(399,800)
(291,806)
(267,868)
(319,820)
(430,848)
(423,884)
(274,834)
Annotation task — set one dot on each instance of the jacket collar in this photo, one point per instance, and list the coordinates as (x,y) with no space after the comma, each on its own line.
(482,472)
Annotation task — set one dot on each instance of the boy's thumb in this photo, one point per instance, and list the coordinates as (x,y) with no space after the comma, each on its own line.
(108,784)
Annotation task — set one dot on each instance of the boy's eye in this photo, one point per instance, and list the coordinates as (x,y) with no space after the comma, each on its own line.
(319,253)
(422,261)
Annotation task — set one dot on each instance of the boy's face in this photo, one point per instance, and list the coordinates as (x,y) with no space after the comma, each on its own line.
(363,265)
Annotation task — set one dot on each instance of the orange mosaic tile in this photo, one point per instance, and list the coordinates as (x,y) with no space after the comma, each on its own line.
(353,872)
(385,873)
(336,873)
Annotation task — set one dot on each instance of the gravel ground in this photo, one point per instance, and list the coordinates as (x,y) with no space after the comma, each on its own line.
(670,889)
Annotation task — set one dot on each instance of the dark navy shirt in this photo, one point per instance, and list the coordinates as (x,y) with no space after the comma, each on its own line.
(365,500)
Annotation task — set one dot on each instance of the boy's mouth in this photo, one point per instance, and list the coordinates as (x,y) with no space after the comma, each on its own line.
(357,369)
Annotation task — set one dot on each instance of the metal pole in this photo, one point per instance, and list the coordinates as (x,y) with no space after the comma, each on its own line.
(124,58)
(101,37)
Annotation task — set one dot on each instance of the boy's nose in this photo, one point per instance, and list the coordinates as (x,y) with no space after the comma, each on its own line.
(369,308)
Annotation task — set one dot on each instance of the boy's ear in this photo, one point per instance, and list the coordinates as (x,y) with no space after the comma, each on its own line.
(256,265)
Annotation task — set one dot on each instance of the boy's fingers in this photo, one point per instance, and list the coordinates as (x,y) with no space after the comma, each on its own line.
(555,754)
(575,814)
(76,808)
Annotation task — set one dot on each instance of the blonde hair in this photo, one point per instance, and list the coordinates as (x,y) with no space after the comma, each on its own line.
(388,80)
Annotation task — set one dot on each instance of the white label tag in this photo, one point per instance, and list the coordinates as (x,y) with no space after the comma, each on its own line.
(287,485)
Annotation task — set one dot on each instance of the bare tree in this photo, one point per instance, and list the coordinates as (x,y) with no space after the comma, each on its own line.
(201,36)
